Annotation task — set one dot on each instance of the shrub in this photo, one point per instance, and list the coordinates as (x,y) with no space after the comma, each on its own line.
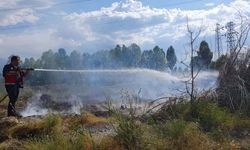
(210,116)
(129,131)
(233,90)
(178,110)
(179,134)
(190,140)
(219,63)
(173,129)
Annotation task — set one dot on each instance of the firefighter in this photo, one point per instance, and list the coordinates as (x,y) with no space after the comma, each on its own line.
(13,76)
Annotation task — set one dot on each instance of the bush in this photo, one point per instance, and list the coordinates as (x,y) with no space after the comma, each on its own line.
(179,134)
(233,89)
(192,139)
(129,132)
(179,110)
(174,129)
(210,116)
(219,63)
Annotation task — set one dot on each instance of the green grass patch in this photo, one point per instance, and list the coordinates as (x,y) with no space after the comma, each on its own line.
(56,142)
(210,117)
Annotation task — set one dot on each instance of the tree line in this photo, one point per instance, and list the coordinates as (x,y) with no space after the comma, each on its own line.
(119,57)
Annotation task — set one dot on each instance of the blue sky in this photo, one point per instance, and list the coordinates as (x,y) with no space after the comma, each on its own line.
(29,27)
(183,4)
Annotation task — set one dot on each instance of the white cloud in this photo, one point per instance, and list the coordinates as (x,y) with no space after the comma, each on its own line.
(122,23)
(132,22)
(21,11)
(20,16)
(33,43)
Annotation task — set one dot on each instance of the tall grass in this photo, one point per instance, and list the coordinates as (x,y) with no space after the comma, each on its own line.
(37,128)
(129,132)
(179,134)
(58,142)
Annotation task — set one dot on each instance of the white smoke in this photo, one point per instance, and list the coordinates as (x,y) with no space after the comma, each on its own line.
(97,85)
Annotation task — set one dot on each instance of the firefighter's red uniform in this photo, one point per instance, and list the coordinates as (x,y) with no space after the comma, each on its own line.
(13,81)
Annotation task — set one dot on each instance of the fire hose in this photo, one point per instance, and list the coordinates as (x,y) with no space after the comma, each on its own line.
(27,69)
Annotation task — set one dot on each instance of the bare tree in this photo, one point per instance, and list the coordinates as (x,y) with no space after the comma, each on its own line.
(192,37)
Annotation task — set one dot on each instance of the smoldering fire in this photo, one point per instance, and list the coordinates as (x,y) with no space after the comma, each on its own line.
(100,85)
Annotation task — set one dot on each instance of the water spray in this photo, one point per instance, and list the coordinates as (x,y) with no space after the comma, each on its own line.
(97,85)
(94,70)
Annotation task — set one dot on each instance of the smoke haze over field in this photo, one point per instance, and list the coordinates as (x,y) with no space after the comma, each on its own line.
(88,86)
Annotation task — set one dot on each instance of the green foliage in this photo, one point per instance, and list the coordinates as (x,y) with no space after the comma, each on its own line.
(233,85)
(179,134)
(135,56)
(204,56)
(173,129)
(62,59)
(147,59)
(205,53)
(171,57)
(211,128)
(118,57)
(153,59)
(180,110)
(219,63)
(159,58)
(75,60)
(56,142)
(48,60)
(129,132)
(210,117)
